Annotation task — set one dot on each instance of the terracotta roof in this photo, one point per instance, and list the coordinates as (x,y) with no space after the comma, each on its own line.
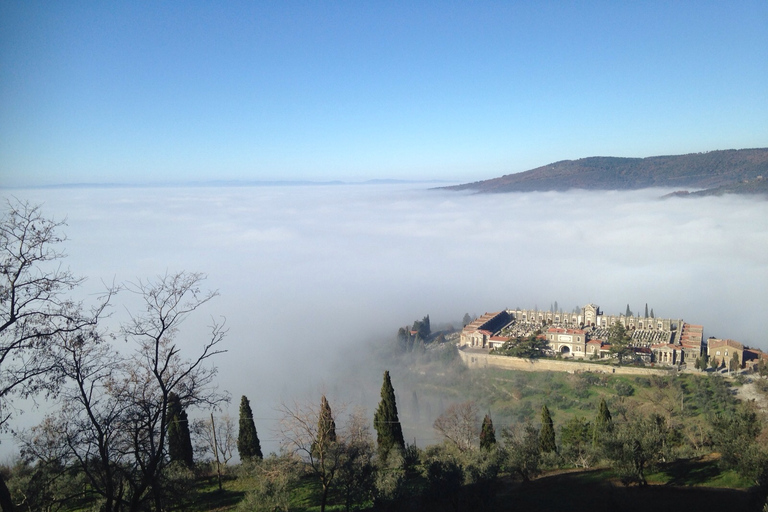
(714,343)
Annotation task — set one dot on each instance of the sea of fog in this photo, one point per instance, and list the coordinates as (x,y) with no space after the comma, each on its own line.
(308,276)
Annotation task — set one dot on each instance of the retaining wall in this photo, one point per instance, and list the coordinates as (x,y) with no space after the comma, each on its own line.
(479,359)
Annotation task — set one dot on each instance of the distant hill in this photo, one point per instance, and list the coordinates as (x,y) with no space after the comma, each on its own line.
(756,186)
(726,171)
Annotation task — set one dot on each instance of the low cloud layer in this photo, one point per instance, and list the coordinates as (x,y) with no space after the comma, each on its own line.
(306,273)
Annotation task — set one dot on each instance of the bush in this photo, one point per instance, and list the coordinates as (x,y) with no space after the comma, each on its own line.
(624,389)
(762,385)
(643,381)
(275,479)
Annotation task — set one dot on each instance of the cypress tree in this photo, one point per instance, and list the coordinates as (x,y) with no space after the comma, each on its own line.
(326,427)
(389,433)
(604,420)
(325,464)
(547,433)
(603,423)
(248,445)
(487,434)
(325,424)
(179,440)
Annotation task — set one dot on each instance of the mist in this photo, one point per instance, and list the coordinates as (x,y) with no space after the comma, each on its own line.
(310,276)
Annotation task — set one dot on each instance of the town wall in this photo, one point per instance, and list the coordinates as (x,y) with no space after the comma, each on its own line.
(480,359)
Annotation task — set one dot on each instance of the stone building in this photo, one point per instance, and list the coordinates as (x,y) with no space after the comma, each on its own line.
(567,342)
(692,341)
(479,332)
(591,316)
(583,333)
(723,350)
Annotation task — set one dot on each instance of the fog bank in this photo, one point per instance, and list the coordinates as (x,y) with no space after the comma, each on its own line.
(306,273)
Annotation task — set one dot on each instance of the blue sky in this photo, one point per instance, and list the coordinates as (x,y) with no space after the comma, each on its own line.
(173,91)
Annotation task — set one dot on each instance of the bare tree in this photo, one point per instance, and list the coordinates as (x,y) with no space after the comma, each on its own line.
(216,438)
(459,425)
(89,427)
(157,369)
(34,306)
(356,475)
(114,409)
(219,436)
(310,432)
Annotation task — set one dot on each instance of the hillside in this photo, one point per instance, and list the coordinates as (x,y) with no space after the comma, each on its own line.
(757,186)
(711,170)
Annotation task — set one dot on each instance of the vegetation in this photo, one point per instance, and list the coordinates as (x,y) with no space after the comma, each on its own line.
(620,341)
(547,433)
(529,347)
(389,433)
(179,439)
(248,445)
(487,434)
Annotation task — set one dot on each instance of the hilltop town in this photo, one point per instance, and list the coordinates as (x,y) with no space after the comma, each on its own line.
(584,334)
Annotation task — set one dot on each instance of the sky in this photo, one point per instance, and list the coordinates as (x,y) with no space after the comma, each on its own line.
(170,92)
(309,276)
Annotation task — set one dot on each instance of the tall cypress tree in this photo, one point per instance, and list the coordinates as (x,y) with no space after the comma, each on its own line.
(179,440)
(248,445)
(326,427)
(487,434)
(547,433)
(603,423)
(389,433)
(325,463)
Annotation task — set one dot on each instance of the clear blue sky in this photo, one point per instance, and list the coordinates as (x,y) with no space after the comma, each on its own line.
(173,91)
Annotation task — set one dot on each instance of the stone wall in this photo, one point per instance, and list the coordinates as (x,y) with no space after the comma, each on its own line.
(480,359)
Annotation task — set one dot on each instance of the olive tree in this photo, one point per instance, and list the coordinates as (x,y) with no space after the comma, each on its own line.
(459,425)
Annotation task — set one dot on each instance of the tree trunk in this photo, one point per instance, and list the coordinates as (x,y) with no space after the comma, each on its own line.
(324,498)
(6,503)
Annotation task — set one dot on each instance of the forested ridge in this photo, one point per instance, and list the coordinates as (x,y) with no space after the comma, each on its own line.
(710,170)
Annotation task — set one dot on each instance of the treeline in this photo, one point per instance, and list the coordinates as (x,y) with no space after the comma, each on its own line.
(415,337)
(358,468)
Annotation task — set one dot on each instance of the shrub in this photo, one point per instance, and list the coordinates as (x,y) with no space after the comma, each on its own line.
(624,389)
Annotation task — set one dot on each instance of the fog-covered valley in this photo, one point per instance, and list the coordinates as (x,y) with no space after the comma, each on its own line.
(310,276)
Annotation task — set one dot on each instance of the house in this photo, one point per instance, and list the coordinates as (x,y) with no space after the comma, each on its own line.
(567,342)
(724,351)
